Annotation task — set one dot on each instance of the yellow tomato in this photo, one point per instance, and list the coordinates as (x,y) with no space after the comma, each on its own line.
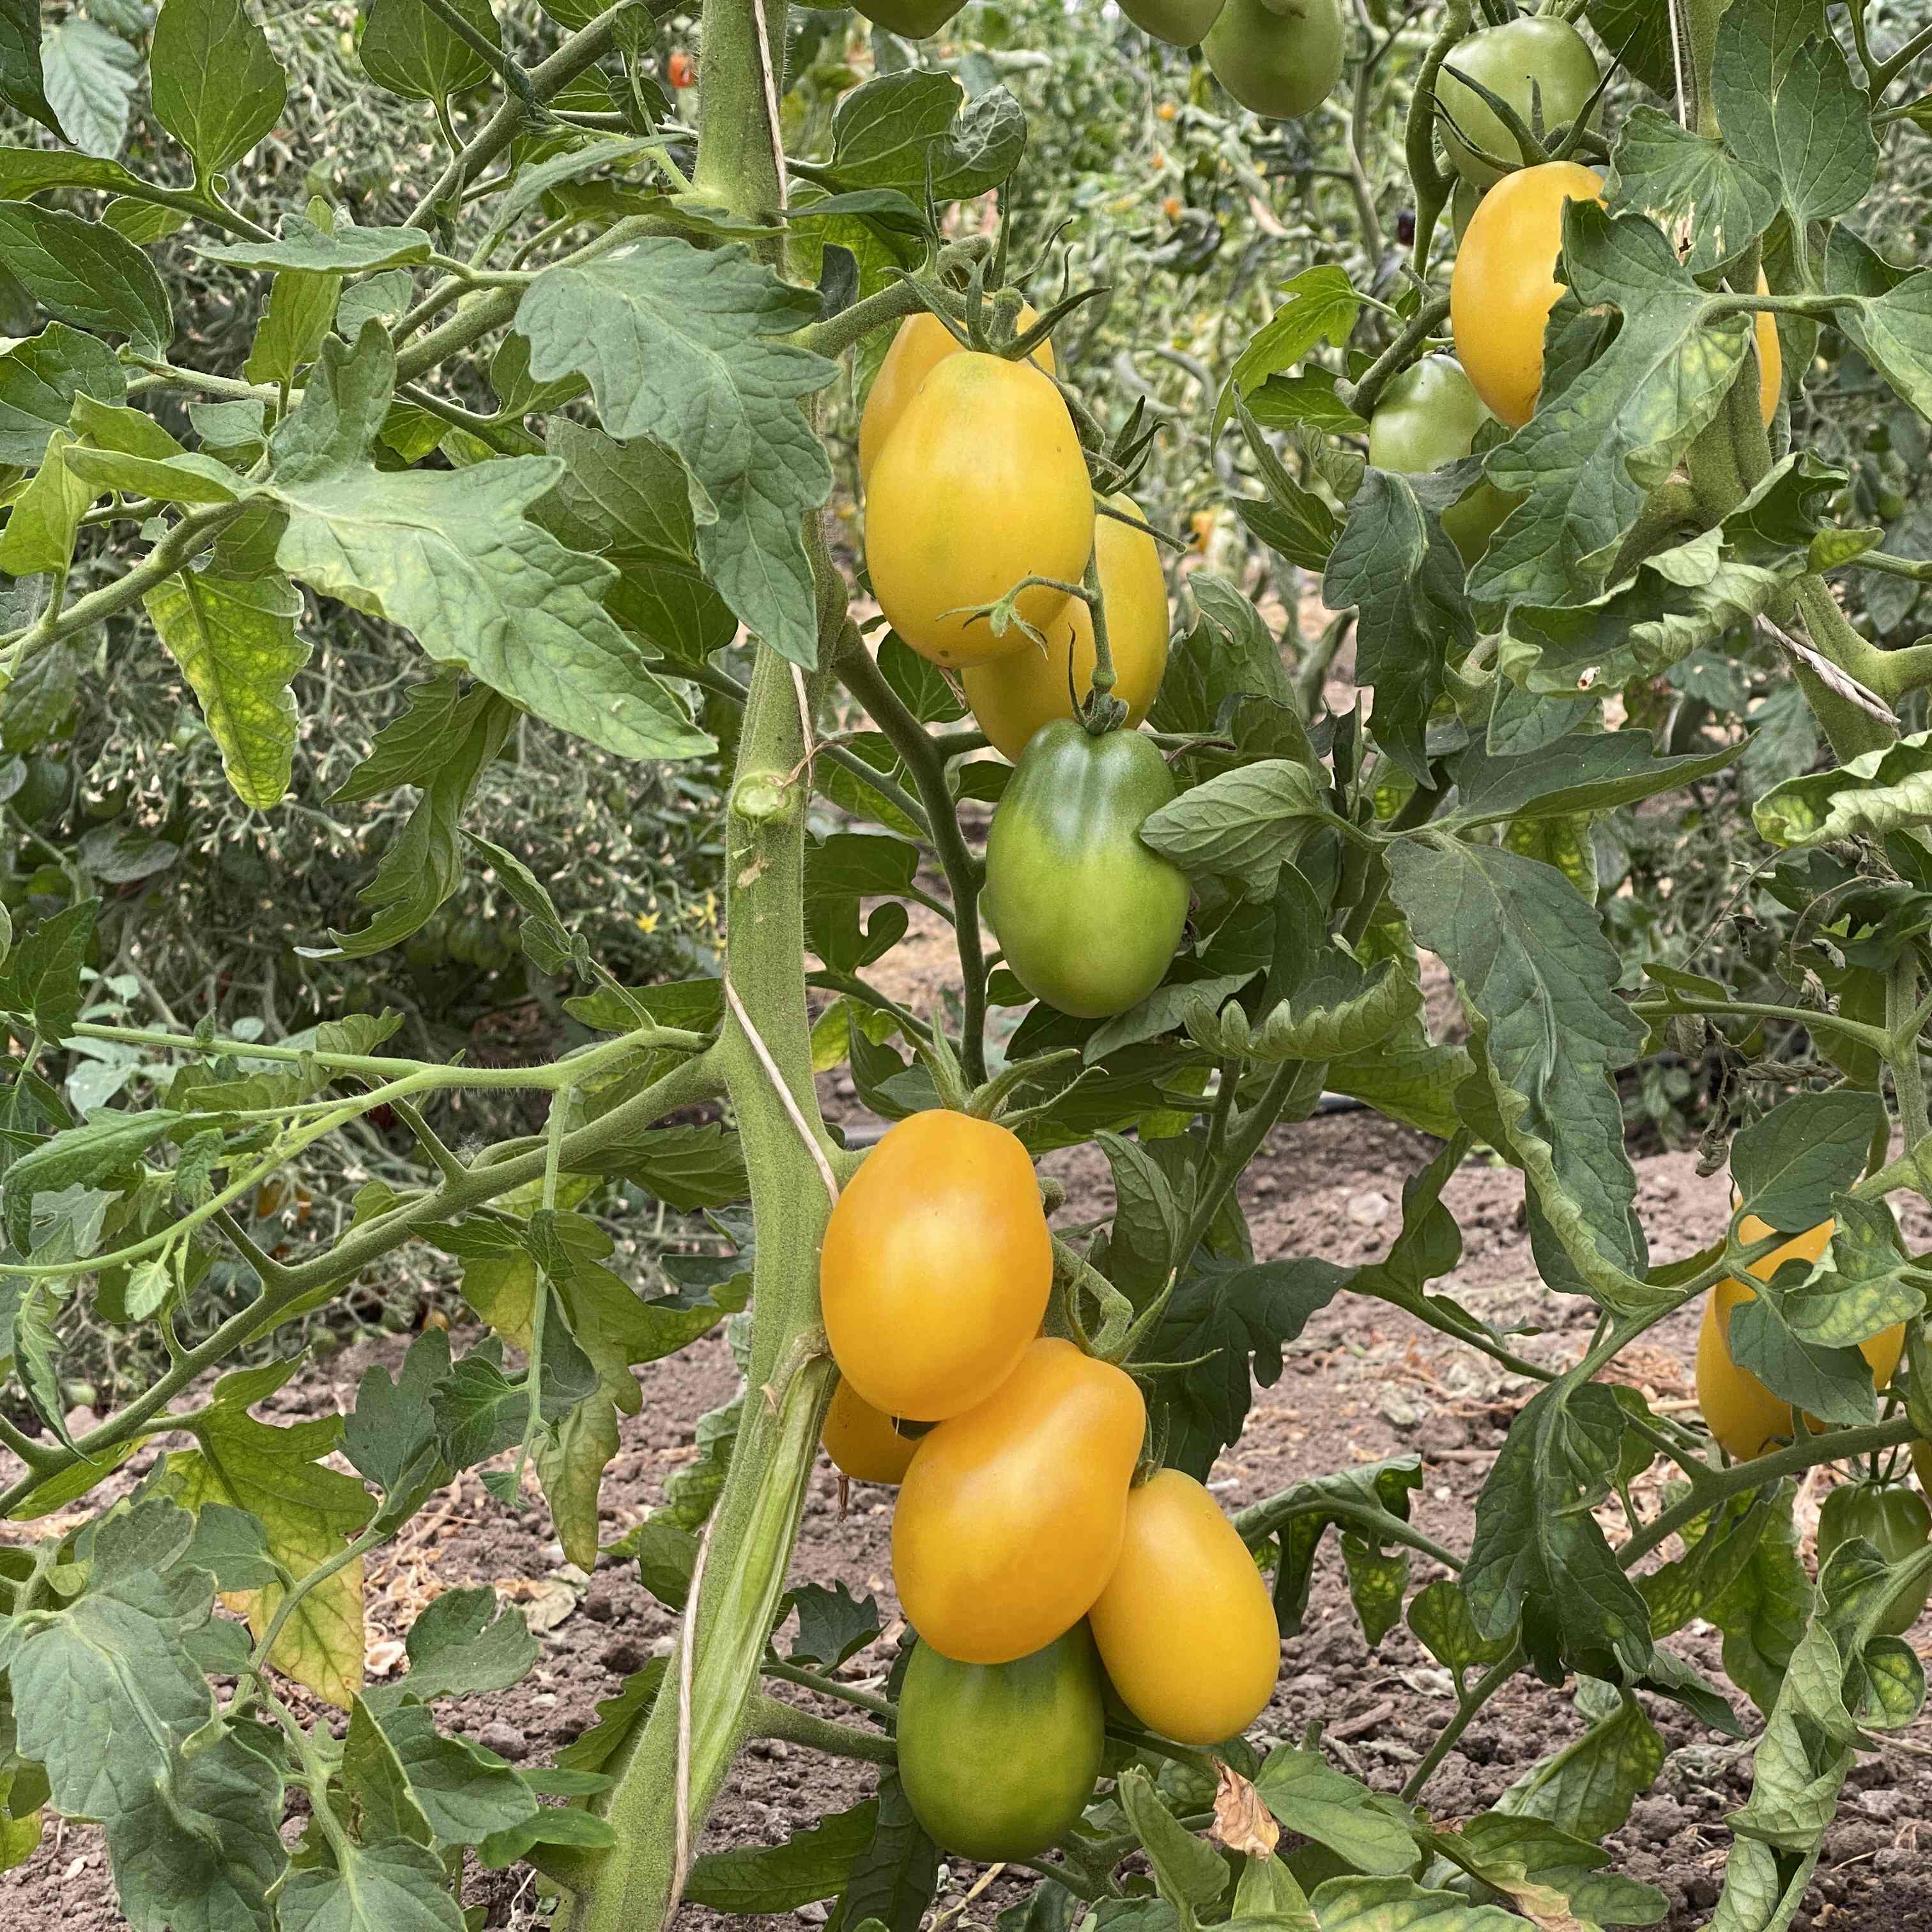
(1770,361)
(1186,1625)
(862,1442)
(1504,282)
(922,343)
(1010,1519)
(936,1266)
(1013,697)
(982,483)
(1744,1415)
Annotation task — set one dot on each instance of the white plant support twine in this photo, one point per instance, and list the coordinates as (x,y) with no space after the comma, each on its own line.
(1677,62)
(772,125)
(687,1655)
(785,1092)
(1843,682)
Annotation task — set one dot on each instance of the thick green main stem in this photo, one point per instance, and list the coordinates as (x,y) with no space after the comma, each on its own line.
(673,1772)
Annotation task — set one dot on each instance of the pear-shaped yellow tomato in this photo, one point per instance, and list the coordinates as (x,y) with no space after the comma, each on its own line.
(1013,697)
(922,343)
(1280,60)
(1504,284)
(1010,1520)
(936,1266)
(862,1442)
(981,484)
(1181,23)
(1186,1625)
(1744,1415)
(1770,361)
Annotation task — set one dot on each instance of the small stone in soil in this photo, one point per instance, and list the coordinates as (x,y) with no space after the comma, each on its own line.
(505,1740)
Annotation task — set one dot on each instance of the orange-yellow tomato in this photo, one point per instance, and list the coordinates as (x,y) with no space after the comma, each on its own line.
(1770,361)
(861,1442)
(936,1266)
(1504,286)
(1010,1519)
(1013,697)
(922,343)
(1186,1625)
(982,485)
(1744,1415)
(1505,283)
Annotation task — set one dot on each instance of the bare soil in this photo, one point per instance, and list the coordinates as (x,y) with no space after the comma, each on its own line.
(1363,1383)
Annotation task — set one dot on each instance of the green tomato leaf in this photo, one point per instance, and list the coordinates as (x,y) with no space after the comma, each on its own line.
(1537,978)
(1587,1786)
(1322,306)
(675,343)
(85,273)
(1241,826)
(1880,791)
(1785,97)
(46,516)
(1309,1795)
(1585,771)
(1539,1554)
(312,249)
(216,85)
(234,639)
(39,378)
(91,75)
(409,49)
(1187,1871)
(22,80)
(814,1862)
(1693,184)
(390,1886)
(1404,578)
(1789,1166)
(902,129)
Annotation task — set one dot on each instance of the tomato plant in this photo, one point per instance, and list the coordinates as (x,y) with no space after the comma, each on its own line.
(1236,710)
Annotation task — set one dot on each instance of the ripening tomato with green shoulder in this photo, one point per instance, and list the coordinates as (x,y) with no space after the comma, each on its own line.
(1186,1625)
(922,342)
(1012,697)
(981,484)
(861,1442)
(1181,23)
(1280,59)
(1088,914)
(1426,419)
(1897,1523)
(1536,59)
(1010,1519)
(998,1760)
(936,1265)
(910,19)
(1746,1417)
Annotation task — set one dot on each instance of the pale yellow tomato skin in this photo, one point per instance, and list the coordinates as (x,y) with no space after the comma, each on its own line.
(982,483)
(1009,1521)
(922,342)
(1504,284)
(936,1266)
(863,1442)
(1770,361)
(1012,697)
(1186,1625)
(1744,1417)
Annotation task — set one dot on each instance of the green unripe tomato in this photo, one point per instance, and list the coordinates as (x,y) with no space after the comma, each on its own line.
(911,20)
(1896,1521)
(1181,23)
(1280,64)
(1428,417)
(1088,917)
(1539,58)
(1463,200)
(998,1760)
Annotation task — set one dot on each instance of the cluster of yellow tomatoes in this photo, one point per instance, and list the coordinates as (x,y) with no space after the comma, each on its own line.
(977,492)
(1748,1420)
(1023,1552)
